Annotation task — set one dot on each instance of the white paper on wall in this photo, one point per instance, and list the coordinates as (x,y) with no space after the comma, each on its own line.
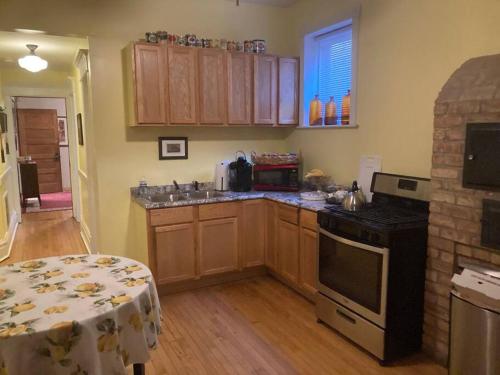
(367,167)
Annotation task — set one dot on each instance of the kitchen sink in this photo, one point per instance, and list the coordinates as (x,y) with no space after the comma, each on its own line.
(203,194)
(166,197)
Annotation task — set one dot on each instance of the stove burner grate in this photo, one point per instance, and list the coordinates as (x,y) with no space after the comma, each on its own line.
(386,215)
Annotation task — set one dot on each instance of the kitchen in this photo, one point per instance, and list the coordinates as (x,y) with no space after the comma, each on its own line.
(401,68)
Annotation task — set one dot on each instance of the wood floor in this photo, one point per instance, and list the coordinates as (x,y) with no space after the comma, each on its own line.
(256,326)
(45,234)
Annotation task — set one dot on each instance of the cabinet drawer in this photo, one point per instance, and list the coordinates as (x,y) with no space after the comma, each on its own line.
(167,216)
(218,210)
(308,219)
(288,213)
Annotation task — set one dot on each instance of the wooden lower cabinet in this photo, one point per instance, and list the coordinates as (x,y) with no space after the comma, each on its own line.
(254,233)
(218,246)
(175,253)
(288,250)
(272,235)
(308,260)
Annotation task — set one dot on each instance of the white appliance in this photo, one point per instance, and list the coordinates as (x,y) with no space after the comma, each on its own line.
(222,175)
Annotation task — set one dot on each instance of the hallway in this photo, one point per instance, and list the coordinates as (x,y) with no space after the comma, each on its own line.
(45,234)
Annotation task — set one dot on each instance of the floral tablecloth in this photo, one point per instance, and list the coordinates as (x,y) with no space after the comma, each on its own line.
(82,314)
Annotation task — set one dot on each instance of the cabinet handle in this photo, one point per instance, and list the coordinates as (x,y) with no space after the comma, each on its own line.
(345,316)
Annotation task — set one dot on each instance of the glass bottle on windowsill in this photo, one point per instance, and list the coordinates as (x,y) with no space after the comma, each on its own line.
(331,117)
(346,108)
(315,112)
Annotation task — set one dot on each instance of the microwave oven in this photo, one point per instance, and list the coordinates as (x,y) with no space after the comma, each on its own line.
(276,177)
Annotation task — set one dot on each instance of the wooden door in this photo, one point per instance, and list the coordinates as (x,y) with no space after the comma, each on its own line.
(288,112)
(254,233)
(272,235)
(212,92)
(150,83)
(239,87)
(265,89)
(308,260)
(39,137)
(183,85)
(218,245)
(288,250)
(175,253)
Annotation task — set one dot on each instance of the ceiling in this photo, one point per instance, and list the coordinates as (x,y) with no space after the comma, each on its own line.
(279,3)
(59,51)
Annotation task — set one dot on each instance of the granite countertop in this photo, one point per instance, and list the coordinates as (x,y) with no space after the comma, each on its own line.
(292,199)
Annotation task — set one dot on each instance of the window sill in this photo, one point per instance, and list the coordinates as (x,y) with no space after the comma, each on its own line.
(325,127)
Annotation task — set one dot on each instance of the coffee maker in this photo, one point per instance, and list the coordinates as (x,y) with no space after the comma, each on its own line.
(240,173)
(222,175)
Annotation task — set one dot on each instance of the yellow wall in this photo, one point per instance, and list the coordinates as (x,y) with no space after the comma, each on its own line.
(18,77)
(407,51)
(121,156)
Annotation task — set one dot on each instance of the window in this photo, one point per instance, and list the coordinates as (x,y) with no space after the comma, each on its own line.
(328,70)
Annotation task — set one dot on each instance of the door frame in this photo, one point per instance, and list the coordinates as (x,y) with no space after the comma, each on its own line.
(67,94)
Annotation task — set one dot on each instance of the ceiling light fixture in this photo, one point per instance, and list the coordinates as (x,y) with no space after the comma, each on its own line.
(32,62)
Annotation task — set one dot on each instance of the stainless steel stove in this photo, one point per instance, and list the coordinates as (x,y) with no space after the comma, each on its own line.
(372,267)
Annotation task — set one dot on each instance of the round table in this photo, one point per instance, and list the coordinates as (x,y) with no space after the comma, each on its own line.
(80,314)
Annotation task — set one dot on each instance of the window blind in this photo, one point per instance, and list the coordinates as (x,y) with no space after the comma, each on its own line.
(335,66)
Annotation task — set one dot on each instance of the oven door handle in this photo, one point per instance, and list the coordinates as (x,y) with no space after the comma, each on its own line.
(380,250)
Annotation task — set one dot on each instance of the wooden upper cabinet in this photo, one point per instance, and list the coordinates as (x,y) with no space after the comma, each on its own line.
(265,89)
(150,84)
(239,88)
(288,113)
(183,85)
(212,90)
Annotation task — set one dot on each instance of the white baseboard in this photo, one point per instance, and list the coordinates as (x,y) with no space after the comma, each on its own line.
(7,242)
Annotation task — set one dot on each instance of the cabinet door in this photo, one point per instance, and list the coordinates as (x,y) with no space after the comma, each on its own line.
(254,233)
(183,82)
(212,92)
(272,235)
(218,245)
(239,87)
(308,259)
(175,253)
(150,83)
(265,89)
(288,250)
(288,91)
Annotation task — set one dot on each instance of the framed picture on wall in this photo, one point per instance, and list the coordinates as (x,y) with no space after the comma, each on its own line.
(63,131)
(173,148)
(79,125)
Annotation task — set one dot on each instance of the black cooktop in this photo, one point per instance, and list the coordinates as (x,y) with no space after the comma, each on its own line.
(386,215)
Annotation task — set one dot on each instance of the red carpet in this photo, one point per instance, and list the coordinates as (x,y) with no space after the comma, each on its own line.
(56,200)
(50,202)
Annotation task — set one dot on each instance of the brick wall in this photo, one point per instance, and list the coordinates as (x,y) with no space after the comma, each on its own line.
(472,94)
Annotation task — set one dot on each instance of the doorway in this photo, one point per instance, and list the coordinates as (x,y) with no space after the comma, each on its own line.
(43,148)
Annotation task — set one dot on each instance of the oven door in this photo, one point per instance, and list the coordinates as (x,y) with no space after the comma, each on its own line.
(355,275)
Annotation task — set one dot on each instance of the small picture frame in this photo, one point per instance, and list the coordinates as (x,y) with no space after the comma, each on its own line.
(79,125)
(173,148)
(63,131)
